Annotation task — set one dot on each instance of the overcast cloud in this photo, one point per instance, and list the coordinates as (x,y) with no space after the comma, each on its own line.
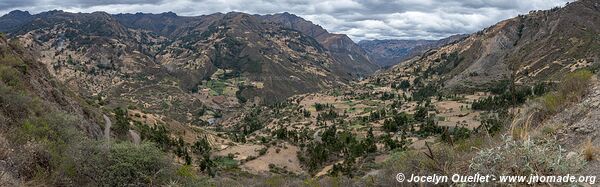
(359,19)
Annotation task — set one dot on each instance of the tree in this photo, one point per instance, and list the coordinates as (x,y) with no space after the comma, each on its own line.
(306,113)
(202,149)
(420,114)
(121,126)
(429,127)
(370,142)
(404,85)
(391,143)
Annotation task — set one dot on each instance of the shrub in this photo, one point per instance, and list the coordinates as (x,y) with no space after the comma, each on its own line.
(186,171)
(9,76)
(127,164)
(18,106)
(552,102)
(575,84)
(516,157)
(571,89)
(588,150)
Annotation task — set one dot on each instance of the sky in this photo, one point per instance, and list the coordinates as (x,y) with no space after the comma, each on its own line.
(359,19)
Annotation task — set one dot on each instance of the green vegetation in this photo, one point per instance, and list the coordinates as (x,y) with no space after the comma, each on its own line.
(121,126)
(202,149)
(399,121)
(320,107)
(451,61)
(425,93)
(571,89)
(157,134)
(337,144)
(507,99)
(128,164)
(216,86)
(57,152)
(328,115)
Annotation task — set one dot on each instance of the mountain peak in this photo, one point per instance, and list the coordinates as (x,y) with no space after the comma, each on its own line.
(18,13)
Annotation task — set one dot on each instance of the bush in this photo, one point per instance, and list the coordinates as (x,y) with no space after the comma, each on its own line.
(575,84)
(127,164)
(552,102)
(9,76)
(516,157)
(571,89)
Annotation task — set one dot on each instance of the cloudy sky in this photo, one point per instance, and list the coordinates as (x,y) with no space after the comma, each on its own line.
(360,19)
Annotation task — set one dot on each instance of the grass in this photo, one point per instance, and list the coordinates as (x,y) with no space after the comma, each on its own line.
(230,91)
(226,162)
(588,150)
(216,86)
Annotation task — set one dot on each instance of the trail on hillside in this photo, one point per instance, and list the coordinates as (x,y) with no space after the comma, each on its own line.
(107,126)
(135,137)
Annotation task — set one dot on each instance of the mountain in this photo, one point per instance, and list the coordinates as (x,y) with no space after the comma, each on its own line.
(342,47)
(541,46)
(391,52)
(217,61)
(92,99)
(192,49)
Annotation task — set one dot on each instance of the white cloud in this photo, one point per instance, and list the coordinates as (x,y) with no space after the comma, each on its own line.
(360,19)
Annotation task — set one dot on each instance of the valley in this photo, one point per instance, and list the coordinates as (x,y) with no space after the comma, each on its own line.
(237,99)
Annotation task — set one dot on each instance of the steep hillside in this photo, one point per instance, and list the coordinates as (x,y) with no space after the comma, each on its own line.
(342,47)
(36,111)
(217,61)
(191,50)
(49,136)
(29,91)
(391,52)
(539,47)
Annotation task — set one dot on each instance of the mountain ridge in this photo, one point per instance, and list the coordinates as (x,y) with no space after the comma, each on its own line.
(183,34)
(391,52)
(530,49)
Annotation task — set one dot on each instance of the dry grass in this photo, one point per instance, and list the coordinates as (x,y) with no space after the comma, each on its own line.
(588,150)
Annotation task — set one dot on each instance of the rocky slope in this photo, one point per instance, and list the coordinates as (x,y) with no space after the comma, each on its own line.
(216,61)
(391,52)
(190,50)
(341,46)
(538,47)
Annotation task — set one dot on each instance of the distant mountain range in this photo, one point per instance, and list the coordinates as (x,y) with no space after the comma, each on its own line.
(387,53)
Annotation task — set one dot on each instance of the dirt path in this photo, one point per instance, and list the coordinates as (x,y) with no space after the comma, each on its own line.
(135,137)
(107,126)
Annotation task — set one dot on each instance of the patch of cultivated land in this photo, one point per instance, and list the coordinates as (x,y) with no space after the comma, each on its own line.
(242,151)
(282,156)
